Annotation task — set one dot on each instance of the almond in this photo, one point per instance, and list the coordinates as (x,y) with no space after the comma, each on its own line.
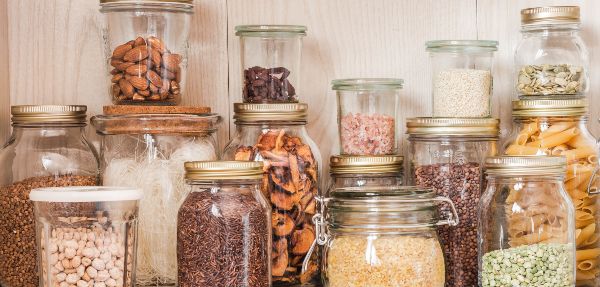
(138,98)
(178,75)
(137,70)
(165,87)
(153,88)
(136,54)
(138,82)
(154,78)
(116,91)
(120,51)
(168,74)
(144,93)
(115,62)
(156,58)
(125,65)
(156,44)
(126,87)
(171,62)
(139,41)
(154,97)
(114,71)
(116,78)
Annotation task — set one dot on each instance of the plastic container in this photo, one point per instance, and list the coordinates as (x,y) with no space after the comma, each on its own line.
(447,154)
(146,47)
(558,127)
(357,171)
(276,135)
(462,77)
(526,224)
(551,60)
(270,59)
(86,235)
(367,113)
(47,148)
(223,230)
(383,236)
(147,151)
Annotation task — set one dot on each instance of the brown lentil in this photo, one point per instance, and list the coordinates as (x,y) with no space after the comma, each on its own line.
(17,227)
(462,184)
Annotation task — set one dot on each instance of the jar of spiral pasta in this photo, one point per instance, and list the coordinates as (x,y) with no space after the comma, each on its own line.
(558,127)
(527,224)
(356,171)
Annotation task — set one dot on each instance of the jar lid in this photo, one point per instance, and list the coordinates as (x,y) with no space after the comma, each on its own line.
(85,194)
(211,170)
(547,107)
(41,114)
(270,112)
(367,84)
(550,15)
(349,164)
(189,2)
(526,165)
(463,127)
(202,124)
(467,46)
(270,30)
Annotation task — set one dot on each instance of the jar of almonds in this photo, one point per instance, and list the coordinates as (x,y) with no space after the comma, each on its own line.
(146,50)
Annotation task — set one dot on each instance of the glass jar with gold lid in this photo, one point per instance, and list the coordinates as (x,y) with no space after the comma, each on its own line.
(558,127)
(355,171)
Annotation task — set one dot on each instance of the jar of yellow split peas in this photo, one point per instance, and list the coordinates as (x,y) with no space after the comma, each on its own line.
(558,127)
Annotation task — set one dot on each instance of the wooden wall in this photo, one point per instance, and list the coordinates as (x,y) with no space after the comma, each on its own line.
(51,51)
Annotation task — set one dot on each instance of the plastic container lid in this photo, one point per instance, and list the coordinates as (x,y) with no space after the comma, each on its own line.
(85,194)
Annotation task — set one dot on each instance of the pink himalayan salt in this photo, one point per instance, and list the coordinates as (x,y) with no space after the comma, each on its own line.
(364,134)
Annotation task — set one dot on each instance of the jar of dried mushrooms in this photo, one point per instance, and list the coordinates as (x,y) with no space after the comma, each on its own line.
(276,134)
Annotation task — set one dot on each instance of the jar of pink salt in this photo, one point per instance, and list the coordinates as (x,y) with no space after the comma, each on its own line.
(367,110)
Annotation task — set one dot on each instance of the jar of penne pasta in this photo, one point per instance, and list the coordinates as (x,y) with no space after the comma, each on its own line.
(527,224)
(558,127)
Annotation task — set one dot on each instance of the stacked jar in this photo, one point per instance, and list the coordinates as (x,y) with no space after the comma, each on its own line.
(357,171)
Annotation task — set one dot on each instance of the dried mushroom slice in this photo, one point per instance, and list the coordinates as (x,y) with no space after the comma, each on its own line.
(282,224)
(302,239)
(280,257)
(284,201)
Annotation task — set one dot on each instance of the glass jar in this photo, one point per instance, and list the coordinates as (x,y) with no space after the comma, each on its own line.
(526,224)
(146,47)
(276,135)
(558,127)
(462,77)
(551,59)
(270,59)
(86,235)
(357,171)
(383,236)
(223,226)
(47,148)
(367,112)
(147,151)
(447,154)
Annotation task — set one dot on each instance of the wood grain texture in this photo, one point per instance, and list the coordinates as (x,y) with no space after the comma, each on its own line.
(4,74)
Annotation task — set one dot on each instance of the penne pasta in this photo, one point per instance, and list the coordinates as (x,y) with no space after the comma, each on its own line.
(522,150)
(555,139)
(587,265)
(556,128)
(587,254)
(584,234)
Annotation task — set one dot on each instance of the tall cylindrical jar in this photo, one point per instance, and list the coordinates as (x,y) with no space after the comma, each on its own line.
(367,113)
(146,47)
(270,59)
(86,236)
(462,77)
(447,154)
(558,127)
(47,148)
(147,151)
(357,171)
(223,230)
(526,224)
(276,134)
(551,60)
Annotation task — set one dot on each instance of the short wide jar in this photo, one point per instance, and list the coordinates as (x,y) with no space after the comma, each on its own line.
(357,171)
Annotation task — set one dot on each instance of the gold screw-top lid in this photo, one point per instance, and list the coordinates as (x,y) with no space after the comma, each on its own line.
(551,108)
(270,112)
(347,164)
(211,170)
(550,15)
(476,127)
(41,114)
(526,165)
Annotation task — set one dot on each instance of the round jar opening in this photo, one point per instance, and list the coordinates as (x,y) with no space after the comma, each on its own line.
(367,84)
(178,6)
(461,46)
(270,31)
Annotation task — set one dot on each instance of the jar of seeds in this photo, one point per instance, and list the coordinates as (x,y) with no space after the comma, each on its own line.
(47,148)
(462,77)
(527,224)
(356,171)
(551,60)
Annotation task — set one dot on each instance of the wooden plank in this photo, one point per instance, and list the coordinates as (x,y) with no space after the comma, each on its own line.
(4,74)
(354,38)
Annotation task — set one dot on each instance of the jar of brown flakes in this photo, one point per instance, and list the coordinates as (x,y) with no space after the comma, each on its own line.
(47,148)
(146,46)
(276,135)
(356,171)
(223,226)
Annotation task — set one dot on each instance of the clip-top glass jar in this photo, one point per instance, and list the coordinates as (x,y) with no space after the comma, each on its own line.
(367,113)
(223,230)
(276,135)
(270,59)
(47,148)
(383,236)
(86,236)
(357,171)
(551,59)
(462,77)
(146,46)
(558,127)
(526,224)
